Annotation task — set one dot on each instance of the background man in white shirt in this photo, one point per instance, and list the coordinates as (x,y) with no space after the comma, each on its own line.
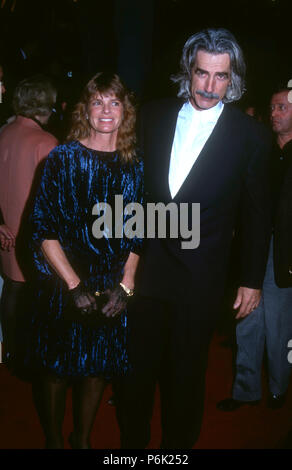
(197,150)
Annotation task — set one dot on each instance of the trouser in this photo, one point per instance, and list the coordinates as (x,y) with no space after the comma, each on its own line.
(168,344)
(268,325)
(12,310)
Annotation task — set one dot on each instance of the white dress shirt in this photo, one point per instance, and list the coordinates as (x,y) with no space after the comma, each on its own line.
(193,128)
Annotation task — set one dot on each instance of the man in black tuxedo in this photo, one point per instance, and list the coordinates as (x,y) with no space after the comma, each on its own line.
(197,150)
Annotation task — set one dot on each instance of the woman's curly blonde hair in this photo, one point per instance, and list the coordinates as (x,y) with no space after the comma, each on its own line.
(109,83)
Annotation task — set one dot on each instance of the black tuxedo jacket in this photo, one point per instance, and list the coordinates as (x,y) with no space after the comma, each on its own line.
(229,179)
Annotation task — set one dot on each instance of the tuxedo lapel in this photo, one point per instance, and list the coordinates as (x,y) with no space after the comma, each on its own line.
(208,155)
(161,136)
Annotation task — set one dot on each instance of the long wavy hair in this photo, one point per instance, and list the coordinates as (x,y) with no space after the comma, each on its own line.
(107,83)
(213,41)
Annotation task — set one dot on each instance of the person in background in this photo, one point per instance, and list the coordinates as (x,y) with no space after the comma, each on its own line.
(23,146)
(270,324)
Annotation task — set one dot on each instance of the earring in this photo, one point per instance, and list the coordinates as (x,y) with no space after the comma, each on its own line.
(86,116)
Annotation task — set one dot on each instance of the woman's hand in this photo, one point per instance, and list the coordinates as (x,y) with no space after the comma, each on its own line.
(117,302)
(83,300)
(7,239)
(118,298)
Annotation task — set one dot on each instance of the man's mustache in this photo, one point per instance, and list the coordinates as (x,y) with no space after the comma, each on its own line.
(205,94)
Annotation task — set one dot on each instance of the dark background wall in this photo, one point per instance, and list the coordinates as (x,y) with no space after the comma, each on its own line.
(140,39)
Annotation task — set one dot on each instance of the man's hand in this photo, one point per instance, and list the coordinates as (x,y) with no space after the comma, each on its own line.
(7,239)
(247,299)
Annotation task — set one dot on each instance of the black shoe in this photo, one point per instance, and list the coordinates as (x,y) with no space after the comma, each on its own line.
(229,404)
(276,402)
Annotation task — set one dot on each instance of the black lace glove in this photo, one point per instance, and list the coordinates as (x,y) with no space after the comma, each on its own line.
(83,300)
(117,301)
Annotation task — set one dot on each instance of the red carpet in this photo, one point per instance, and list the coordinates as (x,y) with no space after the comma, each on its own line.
(247,428)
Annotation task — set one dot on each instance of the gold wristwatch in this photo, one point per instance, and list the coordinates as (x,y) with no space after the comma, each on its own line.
(128,291)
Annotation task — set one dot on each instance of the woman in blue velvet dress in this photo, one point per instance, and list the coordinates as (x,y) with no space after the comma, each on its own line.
(71,335)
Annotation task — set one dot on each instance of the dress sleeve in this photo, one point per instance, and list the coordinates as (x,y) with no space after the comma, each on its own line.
(46,212)
(137,243)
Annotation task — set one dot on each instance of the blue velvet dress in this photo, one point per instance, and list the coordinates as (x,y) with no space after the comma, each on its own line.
(76,178)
